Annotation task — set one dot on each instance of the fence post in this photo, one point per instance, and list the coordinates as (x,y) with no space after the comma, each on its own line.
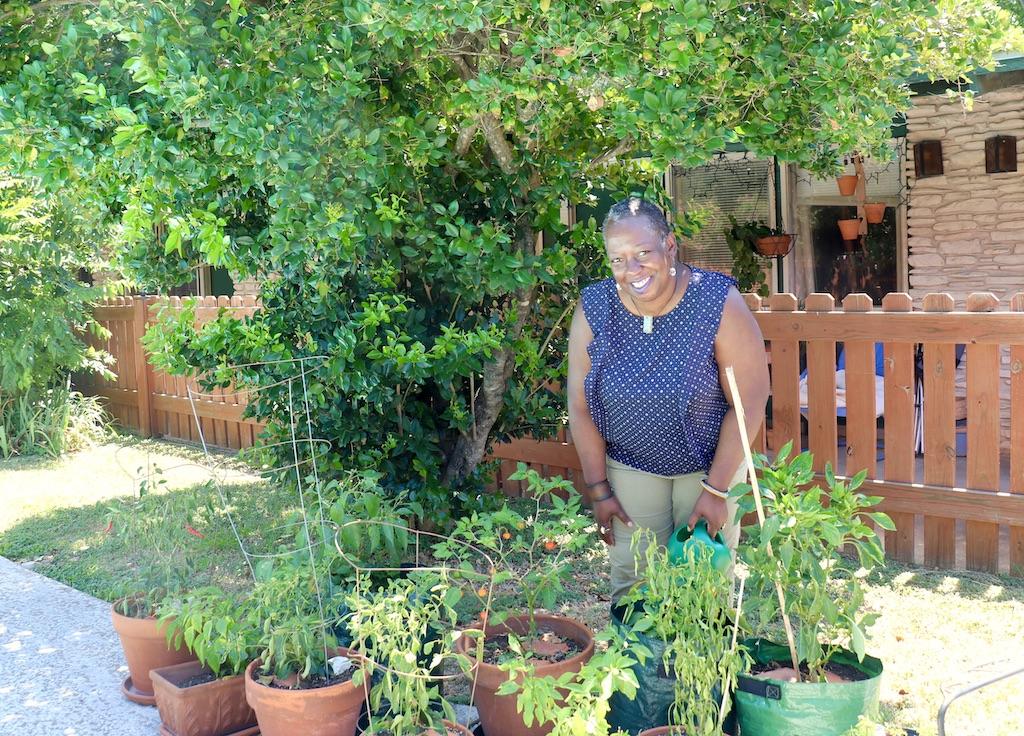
(142,371)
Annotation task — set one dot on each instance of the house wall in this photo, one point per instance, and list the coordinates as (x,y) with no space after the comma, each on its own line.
(245,287)
(966,227)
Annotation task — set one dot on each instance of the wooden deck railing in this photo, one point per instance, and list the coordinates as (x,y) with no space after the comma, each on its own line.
(953,508)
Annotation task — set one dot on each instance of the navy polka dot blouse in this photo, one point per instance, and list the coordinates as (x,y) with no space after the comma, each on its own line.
(656,398)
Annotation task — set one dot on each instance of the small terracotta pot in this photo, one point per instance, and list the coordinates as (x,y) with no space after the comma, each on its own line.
(216,708)
(498,713)
(847,184)
(663,731)
(874,212)
(850,228)
(144,641)
(773,245)
(322,711)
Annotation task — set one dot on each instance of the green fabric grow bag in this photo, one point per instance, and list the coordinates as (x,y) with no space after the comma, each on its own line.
(774,708)
(655,693)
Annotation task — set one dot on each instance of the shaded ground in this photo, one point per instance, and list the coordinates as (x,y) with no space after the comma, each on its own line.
(938,630)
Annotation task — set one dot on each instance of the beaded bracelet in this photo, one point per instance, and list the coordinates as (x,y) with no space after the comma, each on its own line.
(712,490)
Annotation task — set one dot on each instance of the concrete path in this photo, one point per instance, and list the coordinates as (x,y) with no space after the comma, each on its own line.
(61,664)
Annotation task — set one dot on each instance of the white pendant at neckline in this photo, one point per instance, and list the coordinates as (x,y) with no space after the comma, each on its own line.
(648,324)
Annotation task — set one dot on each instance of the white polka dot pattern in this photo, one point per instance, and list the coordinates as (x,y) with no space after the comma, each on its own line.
(656,398)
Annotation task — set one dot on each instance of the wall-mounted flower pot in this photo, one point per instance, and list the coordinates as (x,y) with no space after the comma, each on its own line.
(847,184)
(771,246)
(874,212)
(850,228)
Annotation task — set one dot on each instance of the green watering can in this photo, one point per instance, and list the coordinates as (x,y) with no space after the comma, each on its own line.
(682,541)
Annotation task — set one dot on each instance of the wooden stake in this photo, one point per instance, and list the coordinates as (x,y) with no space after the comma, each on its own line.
(741,421)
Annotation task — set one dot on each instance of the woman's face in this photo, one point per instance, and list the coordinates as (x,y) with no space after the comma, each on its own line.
(640,260)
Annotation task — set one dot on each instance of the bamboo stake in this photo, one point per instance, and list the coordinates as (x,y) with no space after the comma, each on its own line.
(741,421)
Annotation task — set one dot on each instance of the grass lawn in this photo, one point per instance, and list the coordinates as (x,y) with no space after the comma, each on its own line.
(938,631)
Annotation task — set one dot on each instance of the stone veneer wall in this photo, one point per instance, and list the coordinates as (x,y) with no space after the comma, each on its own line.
(245,287)
(966,227)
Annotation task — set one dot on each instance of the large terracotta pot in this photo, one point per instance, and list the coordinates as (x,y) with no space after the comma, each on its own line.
(216,708)
(322,711)
(847,184)
(144,641)
(498,713)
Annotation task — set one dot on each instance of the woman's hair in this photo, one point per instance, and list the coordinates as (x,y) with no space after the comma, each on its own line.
(633,207)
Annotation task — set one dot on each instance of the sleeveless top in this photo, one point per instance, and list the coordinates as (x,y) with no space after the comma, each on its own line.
(656,398)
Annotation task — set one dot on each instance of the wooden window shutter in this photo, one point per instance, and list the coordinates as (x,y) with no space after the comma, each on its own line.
(928,159)
(1001,154)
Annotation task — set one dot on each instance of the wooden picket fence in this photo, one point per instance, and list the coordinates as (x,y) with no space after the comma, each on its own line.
(153,403)
(950,511)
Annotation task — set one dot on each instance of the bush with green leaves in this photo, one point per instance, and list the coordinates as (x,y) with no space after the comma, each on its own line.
(50,422)
(218,627)
(689,606)
(395,171)
(809,522)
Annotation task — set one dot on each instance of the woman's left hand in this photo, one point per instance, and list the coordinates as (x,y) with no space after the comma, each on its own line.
(712,509)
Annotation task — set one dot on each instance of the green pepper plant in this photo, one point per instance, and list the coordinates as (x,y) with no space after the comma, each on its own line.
(536,549)
(807,525)
(689,607)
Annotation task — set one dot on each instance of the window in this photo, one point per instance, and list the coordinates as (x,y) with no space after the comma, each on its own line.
(823,261)
(733,184)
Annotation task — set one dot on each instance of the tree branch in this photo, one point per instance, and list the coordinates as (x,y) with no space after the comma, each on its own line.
(620,148)
(494,134)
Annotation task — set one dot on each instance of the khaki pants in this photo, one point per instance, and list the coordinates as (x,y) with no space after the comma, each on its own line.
(661,504)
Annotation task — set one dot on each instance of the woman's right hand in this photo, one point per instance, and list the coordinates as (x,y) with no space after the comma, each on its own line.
(604,512)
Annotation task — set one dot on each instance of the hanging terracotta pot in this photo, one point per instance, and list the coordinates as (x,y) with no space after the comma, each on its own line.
(874,212)
(850,228)
(771,246)
(847,184)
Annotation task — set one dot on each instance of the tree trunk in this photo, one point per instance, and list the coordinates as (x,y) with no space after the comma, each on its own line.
(470,447)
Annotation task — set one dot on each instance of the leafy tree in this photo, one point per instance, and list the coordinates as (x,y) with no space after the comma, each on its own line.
(396,169)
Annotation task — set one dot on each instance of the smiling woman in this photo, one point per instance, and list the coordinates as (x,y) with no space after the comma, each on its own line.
(655,431)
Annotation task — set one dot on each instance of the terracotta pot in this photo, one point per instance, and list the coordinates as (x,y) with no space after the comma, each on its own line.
(498,713)
(663,731)
(216,708)
(774,245)
(850,228)
(322,711)
(847,184)
(874,212)
(144,641)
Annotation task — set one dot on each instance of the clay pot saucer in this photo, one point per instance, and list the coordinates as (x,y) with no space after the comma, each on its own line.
(135,695)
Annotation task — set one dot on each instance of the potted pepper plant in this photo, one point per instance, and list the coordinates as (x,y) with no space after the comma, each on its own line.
(166,562)
(532,556)
(833,682)
(405,633)
(683,612)
(206,697)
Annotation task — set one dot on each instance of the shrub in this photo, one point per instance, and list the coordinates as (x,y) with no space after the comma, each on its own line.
(50,422)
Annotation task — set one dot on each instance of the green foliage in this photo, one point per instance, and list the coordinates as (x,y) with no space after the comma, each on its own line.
(45,311)
(807,530)
(535,550)
(689,607)
(389,167)
(219,628)
(50,422)
(406,634)
(575,702)
(747,267)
